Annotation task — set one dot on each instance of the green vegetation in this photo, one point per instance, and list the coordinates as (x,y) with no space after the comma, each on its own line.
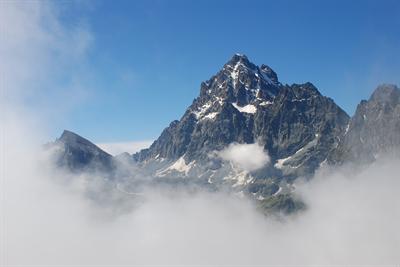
(283,203)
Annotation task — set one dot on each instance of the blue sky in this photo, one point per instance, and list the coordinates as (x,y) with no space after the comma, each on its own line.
(147,58)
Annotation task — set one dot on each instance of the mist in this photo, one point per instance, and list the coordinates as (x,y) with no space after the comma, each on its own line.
(249,157)
(352,216)
(115,148)
(351,219)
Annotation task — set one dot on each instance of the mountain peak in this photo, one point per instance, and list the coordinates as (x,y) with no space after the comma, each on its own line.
(67,134)
(239,56)
(71,138)
(240,59)
(240,65)
(79,154)
(385,93)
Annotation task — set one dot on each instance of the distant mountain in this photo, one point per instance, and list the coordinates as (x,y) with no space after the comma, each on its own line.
(76,153)
(373,130)
(244,103)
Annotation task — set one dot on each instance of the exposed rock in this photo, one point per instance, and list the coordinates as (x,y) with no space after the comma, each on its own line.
(244,103)
(77,154)
(373,130)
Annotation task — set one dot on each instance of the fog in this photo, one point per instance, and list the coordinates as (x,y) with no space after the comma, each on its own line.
(351,219)
(115,148)
(352,216)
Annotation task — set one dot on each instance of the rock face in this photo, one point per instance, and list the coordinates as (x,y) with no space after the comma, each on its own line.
(78,154)
(245,103)
(374,129)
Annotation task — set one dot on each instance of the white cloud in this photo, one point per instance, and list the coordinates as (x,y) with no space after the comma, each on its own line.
(352,220)
(116,148)
(42,60)
(36,47)
(249,157)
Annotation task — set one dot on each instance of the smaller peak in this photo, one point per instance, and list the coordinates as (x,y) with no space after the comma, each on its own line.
(385,93)
(76,141)
(69,137)
(269,72)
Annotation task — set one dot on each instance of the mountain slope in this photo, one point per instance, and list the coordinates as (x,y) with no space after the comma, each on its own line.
(373,130)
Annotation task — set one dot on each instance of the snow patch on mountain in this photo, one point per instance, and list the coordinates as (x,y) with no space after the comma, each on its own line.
(178,166)
(202,110)
(211,115)
(284,162)
(265,103)
(246,109)
(239,177)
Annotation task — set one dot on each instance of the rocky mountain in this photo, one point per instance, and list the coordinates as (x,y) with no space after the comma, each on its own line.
(227,100)
(373,130)
(243,103)
(77,154)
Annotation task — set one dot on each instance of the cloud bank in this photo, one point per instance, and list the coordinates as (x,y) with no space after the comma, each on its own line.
(351,219)
(249,157)
(116,148)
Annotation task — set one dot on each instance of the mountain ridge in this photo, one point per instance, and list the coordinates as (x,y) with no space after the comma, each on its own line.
(246,104)
(239,104)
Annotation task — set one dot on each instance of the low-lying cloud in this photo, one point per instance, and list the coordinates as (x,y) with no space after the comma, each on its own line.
(115,148)
(351,219)
(249,157)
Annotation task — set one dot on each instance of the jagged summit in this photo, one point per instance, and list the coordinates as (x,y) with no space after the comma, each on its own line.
(239,82)
(241,63)
(245,103)
(239,57)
